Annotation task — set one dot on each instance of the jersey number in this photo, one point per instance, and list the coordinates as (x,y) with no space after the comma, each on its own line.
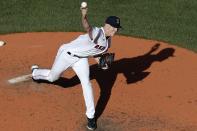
(99,47)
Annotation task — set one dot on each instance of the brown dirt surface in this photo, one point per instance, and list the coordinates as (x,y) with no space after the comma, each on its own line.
(151,86)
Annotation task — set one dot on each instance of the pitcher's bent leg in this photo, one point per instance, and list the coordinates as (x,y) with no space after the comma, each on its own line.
(81,68)
(61,63)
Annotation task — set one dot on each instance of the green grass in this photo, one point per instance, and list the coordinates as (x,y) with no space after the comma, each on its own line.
(173,21)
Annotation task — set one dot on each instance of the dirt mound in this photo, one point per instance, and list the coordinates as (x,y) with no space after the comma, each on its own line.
(151,86)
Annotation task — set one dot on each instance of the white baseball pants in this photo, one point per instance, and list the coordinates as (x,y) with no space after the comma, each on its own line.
(81,67)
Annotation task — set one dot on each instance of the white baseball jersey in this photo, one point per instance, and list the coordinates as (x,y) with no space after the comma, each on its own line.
(83,46)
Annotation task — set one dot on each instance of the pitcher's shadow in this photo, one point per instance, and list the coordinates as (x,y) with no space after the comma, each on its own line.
(132,68)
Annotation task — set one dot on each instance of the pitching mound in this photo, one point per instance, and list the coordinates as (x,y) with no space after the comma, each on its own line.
(151,86)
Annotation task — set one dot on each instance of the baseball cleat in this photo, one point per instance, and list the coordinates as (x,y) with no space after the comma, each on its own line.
(33,67)
(91,124)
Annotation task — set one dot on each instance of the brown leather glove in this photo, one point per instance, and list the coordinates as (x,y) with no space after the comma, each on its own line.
(106,60)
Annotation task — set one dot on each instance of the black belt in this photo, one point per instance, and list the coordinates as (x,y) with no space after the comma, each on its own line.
(75,55)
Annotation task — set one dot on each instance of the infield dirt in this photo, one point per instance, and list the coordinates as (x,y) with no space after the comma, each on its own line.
(151,86)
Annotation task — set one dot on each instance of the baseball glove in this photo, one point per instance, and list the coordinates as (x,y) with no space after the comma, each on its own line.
(106,60)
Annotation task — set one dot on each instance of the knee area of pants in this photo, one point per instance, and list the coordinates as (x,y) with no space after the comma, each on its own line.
(86,83)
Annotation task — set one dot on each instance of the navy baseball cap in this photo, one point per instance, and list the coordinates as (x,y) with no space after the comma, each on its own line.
(114,21)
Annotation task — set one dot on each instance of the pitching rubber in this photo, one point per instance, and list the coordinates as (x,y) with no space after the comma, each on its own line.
(19,79)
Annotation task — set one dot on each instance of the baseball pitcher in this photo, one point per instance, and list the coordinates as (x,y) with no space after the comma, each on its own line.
(94,43)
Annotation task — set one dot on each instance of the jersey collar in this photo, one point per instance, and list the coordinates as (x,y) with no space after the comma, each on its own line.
(103,31)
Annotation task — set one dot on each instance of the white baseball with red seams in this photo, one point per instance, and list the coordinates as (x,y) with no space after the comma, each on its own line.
(84,4)
(75,55)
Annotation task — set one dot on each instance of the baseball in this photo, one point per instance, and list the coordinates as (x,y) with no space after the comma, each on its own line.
(2,43)
(84,4)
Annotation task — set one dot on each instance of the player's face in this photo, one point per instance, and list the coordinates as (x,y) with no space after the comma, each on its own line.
(113,31)
(109,30)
